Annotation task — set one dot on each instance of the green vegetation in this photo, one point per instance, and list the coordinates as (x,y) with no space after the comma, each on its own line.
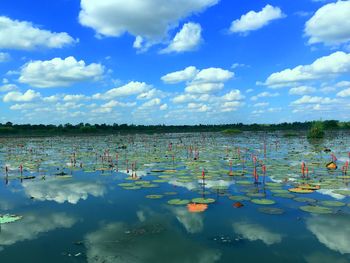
(231,131)
(290,129)
(316,131)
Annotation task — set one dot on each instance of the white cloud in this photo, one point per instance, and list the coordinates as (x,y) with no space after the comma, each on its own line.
(151,103)
(163,106)
(256,20)
(312,100)
(192,222)
(213,75)
(202,81)
(332,231)
(330,24)
(62,191)
(264,94)
(234,94)
(29,95)
(301,90)
(344,93)
(150,94)
(261,104)
(187,39)
(8,87)
(32,225)
(255,232)
(4,57)
(180,76)
(204,87)
(328,66)
(131,88)
(75,97)
(24,35)
(52,98)
(149,19)
(59,72)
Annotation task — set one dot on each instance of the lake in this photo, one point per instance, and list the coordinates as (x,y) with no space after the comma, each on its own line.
(194,197)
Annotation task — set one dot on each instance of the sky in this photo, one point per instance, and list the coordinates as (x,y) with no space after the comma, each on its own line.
(174,61)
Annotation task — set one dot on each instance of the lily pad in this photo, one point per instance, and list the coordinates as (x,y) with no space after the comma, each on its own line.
(154,196)
(178,201)
(332,203)
(201,200)
(263,201)
(239,197)
(316,209)
(271,210)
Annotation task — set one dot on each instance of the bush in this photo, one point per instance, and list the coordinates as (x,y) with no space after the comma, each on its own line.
(316,131)
(231,131)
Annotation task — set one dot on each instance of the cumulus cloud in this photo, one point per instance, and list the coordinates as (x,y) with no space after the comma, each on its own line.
(329,66)
(192,222)
(62,191)
(264,94)
(59,72)
(187,39)
(8,87)
(203,81)
(256,20)
(255,232)
(32,225)
(147,20)
(4,57)
(332,231)
(181,75)
(330,24)
(26,36)
(131,88)
(17,96)
(344,93)
(306,99)
(301,90)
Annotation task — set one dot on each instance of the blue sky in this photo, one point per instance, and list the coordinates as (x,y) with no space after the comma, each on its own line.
(174,62)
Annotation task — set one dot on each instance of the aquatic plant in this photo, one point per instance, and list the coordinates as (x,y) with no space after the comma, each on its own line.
(316,131)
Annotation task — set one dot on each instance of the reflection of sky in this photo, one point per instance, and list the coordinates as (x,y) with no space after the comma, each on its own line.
(331,230)
(63,190)
(329,192)
(192,222)
(319,257)
(114,243)
(255,232)
(31,225)
(208,183)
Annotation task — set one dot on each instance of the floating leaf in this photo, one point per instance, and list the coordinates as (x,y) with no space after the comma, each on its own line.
(316,209)
(239,197)
(332,203)
(271,210)
(201,200)
(154,196)
(263,201)
(178,201)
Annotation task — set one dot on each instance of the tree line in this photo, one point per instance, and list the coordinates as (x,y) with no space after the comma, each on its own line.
(86,128)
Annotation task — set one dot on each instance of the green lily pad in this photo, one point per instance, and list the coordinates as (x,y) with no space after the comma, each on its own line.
(305,200)
(332,203)
(271,210)
(239,197)
(178,201)
(342,192)
(316,209)
(154,196)
(201,200)
(263,201)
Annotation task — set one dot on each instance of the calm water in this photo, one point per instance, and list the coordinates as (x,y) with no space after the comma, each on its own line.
(100,213)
